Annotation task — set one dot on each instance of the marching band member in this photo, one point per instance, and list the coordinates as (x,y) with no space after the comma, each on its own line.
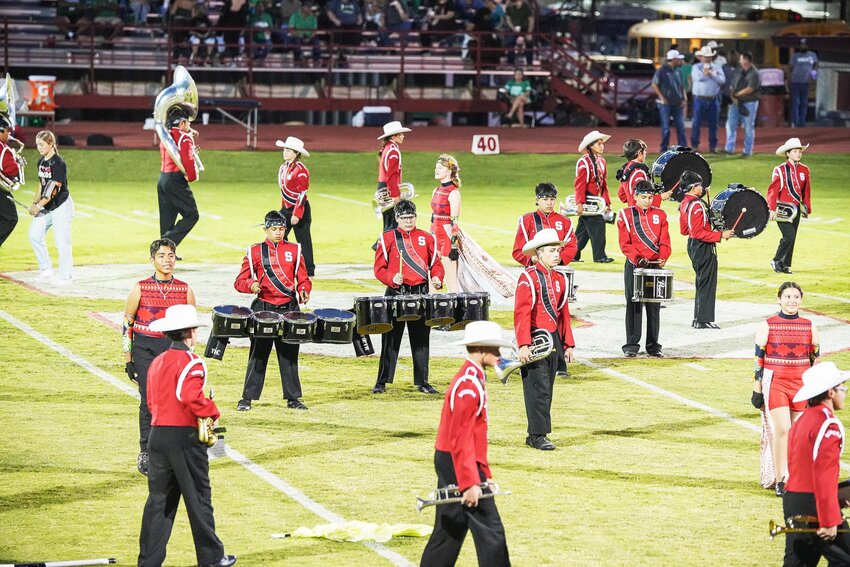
(460,458)
(634,171)
(791,183)
(445,207)
(541,303)
(274,271)
(294,180)
(389,168)
(786,346)
(407,261)
(645,241)
(545,216)
(590,180)
(175,196)
(179,465)
(815,443)
(11,170)
(693,223)
(148,302)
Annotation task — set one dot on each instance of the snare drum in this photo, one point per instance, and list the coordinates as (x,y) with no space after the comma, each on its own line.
(334,326)
(728,207)
(265,324)
(297,327)
(408,307)
(670,165)
(230,321)
(469,307)
(652,285)
(440,309)
(569,275)
(373,315)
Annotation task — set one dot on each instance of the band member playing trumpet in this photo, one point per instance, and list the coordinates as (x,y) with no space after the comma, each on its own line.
(790,185)
(693,223)
(541,303)
(815,443)
(591,181)
(445,207)
(179,465)
(11,171)
(148,302)
(175,196)
(460,458)
(274,271)
(645,241)
(546,194)
(406,261)
(389,168)
(294,180)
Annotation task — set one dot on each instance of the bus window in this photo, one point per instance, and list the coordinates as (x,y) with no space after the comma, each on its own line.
(784,55)
(647,45)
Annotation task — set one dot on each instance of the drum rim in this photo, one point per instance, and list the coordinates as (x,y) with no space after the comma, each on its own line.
(655,271)
(293,316)
(348,315)
(233,315)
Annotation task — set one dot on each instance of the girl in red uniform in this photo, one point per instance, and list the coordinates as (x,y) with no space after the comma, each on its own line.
(445,207)
(389,168)
(294,180)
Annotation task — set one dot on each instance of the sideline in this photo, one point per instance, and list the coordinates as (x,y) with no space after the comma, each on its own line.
(256,469)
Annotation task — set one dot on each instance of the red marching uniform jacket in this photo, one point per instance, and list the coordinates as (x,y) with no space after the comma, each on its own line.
(644,234)
(278,267)
(591,180)
(633,172)
(463,425)
(541,303)
(176,381)
(531,223)
(294,180)
(693,220)
(154,299)
(414,253)
(186,143)
(8,165)
(791,184)
(815,443)
(389,170)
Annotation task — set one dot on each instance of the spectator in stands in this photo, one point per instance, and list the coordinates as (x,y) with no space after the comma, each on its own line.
(396,17)
(439,18)
(468,8)
(302,31)
(744,85)
(179,21)
(485,46)
(201,37)
(685,71)
(286,9)
(107,21)
(262,24)
(519,93)
(139,10)
(373,15)
(345,18)
(233,18)
(803,67)
(73,17)
(520,20)
(498,16)
(672,100)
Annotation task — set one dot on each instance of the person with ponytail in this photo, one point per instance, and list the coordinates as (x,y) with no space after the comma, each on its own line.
(445,207)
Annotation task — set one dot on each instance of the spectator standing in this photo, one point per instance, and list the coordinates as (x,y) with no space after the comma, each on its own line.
(672,99)
(744,87)
(520,21)
(345,17)
(685,71)
(440,18)
(718,58)
(233,18)
(201,37)
(803,67)
(262,24)
(302,31)
(708,79)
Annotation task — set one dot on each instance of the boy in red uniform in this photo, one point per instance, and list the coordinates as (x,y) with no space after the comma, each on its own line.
(405,261)
(460,458)
(545,216)
(179,465)
(389,168)
(293,177)
(11,171)
(791,183)
(591,180)
(815,443)
(633,171)
(645,241)
(274,270)
(175,196)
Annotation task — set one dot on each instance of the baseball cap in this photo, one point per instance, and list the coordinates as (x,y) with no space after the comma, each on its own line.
(674,54)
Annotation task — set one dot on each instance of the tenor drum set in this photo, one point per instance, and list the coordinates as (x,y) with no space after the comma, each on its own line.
(453,311)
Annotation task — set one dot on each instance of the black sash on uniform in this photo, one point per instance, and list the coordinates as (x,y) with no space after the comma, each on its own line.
(789,181)
(644,237)
(275,280)
(544,297)
(538,224)
(408,259)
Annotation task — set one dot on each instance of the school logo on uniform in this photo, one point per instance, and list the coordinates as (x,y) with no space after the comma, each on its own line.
(558,286)
(288,256)
(421,241)
(802,176)
(656,219)
(559,225)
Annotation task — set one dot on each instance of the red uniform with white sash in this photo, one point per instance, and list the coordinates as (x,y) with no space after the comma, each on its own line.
(186,144)
(531,223)
(693,220)
(175,396)
(280,270)
(389,170)
(294,180)
(8,163)
(791,184)
(644,234)
(541,303)
(413,253)
(633,172)
(591,179)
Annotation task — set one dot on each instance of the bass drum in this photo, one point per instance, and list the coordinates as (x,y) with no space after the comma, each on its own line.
(727,211)
(668,168)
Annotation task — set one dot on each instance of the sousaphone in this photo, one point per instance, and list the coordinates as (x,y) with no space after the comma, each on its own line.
(181,94)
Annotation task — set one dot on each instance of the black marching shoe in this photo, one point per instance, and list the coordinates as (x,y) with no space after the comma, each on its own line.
(786,270)
(656,354)
(562,374)
(780,488)
(777,266)
(540,442)
(427,388)
(225,561)
(694,323)
(630,353)
(605,260)
(142,462)
(295,404)
(704,325)
(243,405)
(380,388)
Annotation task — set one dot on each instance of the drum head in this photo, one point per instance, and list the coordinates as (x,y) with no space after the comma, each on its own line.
(267,316)
(673,163)
(335,315)
(299,317)
(232,311)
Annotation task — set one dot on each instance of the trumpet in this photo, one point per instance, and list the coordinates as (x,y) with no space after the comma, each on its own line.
(786,212)
(450,494)
(385,202)
(791,528)
(542,345)
(595,206)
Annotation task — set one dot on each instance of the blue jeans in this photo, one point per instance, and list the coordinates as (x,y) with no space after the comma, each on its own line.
(799,104)
(297,42)
(705,111)
(668,111)
(734,120)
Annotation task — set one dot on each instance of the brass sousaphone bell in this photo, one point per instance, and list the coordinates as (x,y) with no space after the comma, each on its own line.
(183,94)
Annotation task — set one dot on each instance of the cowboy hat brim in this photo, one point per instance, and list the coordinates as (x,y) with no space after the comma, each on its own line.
(823,376)
(780,151)
(590,140)
(302,150)
(394,132)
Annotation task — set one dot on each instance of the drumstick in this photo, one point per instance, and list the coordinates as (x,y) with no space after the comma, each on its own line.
(743,210)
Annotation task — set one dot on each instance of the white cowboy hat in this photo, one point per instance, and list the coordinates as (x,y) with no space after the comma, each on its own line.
(545,237)
(294,144)
(484,333)
(790,144)
(713,44)
(706,51)
(674,54)
(178,317)
(393,128)
(820,378)
(591,138)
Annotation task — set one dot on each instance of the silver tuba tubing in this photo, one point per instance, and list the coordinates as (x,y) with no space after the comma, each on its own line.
(182,93)
(385,202)
(786,212)
(7,110)
(542,345)
(595,206)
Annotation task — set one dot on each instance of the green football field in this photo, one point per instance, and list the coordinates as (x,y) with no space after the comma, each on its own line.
(657,460)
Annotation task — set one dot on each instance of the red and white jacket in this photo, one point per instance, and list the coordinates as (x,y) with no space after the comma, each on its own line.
(644,234)
(591,180)
(8,165)
(815,444)
(693,220)
(791,184)
(389,170)
(531,223)
(278,267)
(414,253)
(294,180)
(186,143)
(463,425)
(637,171)
(541,303)
(175,389)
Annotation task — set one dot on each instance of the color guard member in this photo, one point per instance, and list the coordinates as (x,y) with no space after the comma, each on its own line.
(791,183)
(591,180)
(546,194)
(12,172)
(406,261)
(693,223)
(148,302)
(273,270)
(460,458)
(294,180)
(445,207)
(645,241)
(541,303)
(389,168)
(175,196)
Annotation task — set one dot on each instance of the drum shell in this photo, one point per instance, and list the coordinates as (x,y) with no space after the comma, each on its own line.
(333,326)
(469,307)
(727,207)
(265,324)
(652,285)
(230,321)
(297,327)
(408,307)
(373,315)
(668,168)
(440,309)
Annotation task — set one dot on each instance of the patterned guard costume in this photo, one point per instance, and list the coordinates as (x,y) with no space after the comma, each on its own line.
(791,183)
(294,181)
(591,179)
(441,217)
(789,352)
(9,167)
(175,196)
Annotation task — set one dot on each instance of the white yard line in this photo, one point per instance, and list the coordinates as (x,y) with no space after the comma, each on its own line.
(696,366)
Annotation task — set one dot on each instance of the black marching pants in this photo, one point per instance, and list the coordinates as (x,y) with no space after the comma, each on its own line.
(258,359)
(538,384)
(704,261)
(302,235)
(8,216)
(785,250)
(592,228)
(634,317)
(806,549)
(420,343)
(145,349)
(175,198)
(452,521)
(178,466)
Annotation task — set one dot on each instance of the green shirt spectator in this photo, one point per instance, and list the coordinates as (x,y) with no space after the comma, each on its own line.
(303,23)
(516,88)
